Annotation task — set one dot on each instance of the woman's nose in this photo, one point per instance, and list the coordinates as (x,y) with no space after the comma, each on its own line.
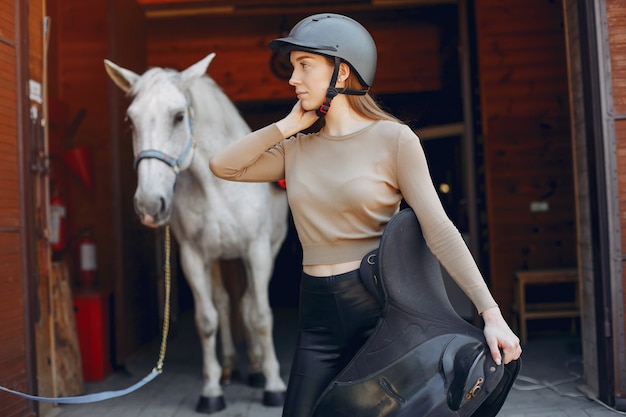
(293,80)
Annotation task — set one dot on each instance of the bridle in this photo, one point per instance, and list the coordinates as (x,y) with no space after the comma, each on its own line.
(175,163)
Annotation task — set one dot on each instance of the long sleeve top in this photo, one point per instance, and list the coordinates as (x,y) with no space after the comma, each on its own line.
(342,191)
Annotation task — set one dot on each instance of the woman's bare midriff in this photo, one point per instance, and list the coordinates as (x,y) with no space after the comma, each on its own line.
(330,269)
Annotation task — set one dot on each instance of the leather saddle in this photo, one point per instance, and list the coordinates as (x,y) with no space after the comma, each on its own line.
(423,359)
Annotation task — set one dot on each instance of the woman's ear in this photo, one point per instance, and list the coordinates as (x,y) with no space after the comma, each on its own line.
(344,72)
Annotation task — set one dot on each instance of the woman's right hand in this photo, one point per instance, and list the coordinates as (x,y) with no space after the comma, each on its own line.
(297,120)
(500,336)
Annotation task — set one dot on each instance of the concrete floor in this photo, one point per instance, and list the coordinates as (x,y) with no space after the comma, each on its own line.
(547,385)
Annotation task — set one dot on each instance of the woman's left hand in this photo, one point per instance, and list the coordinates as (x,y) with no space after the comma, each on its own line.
(500,336)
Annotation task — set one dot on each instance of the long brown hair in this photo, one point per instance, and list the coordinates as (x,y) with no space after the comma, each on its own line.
(366,106)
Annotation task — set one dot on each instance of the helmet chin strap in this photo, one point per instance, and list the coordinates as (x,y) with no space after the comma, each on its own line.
(332,91)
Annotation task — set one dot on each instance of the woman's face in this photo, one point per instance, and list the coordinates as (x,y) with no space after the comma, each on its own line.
(310,77)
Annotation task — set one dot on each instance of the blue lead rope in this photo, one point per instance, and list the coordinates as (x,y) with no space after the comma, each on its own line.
(156,371)
(89,398)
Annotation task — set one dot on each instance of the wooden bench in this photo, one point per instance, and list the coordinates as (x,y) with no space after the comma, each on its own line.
(525,310)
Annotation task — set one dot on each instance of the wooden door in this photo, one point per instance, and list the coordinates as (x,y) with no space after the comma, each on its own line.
(23,242)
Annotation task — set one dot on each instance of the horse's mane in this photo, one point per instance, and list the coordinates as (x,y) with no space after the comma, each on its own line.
(212,104)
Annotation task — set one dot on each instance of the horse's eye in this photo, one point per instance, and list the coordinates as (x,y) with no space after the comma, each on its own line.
(179,117)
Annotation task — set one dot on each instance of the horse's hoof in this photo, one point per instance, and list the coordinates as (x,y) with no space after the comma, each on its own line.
(256,379)
(274,398)
(208,405)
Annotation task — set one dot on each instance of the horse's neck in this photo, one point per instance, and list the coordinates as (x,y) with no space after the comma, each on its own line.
(217,122)
(216,119)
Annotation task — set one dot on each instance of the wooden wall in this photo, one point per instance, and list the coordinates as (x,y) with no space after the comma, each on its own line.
(19,61)
(524,116)
(242,64)
(12,325)
(616,16)
(77,83)
(526,133)
(583,208)
(136,246)
(83,35)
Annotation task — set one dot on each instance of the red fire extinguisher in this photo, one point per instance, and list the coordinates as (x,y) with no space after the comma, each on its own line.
(58,226)
(88,265)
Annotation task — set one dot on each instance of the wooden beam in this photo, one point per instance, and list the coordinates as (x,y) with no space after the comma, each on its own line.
(168,9)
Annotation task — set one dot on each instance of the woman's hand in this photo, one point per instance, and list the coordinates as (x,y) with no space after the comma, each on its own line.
(297,120)
(500,336)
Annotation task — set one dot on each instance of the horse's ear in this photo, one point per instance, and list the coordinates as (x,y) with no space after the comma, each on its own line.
(196,71)
(122,77)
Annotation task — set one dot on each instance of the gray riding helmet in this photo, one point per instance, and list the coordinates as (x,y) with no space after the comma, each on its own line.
(336,36)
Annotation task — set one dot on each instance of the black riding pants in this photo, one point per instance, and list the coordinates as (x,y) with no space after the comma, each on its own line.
(337,315)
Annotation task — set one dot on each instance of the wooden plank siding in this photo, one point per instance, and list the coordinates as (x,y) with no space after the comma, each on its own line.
(583,209)
(527,145)
(138,280)
(13,327)
(242,64)
(9,204)
(616,13)
(616,16)
(83,35)
(78,82)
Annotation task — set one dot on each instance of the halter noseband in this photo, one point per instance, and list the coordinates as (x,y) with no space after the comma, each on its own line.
(175,163)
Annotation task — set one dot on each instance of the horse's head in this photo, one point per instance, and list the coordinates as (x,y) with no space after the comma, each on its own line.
(160,116)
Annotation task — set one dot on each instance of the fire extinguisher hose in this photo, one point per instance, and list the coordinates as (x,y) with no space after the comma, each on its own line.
(156,371)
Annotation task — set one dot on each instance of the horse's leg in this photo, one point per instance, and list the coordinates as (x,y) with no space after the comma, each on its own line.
(198,277)
(254,348)
(221,299)
(258,318)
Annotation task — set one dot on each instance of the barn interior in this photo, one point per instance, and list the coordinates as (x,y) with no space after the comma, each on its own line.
(489,104)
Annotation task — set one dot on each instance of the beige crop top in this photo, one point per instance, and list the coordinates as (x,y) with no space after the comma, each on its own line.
(343,190)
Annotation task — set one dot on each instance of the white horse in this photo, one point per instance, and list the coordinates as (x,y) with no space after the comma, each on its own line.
(179,120)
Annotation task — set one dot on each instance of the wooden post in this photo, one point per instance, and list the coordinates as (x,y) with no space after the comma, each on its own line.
(67,372)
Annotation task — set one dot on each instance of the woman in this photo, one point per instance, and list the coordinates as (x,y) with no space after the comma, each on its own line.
(344,184)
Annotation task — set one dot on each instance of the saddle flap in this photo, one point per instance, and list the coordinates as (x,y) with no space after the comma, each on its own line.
(473,372)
